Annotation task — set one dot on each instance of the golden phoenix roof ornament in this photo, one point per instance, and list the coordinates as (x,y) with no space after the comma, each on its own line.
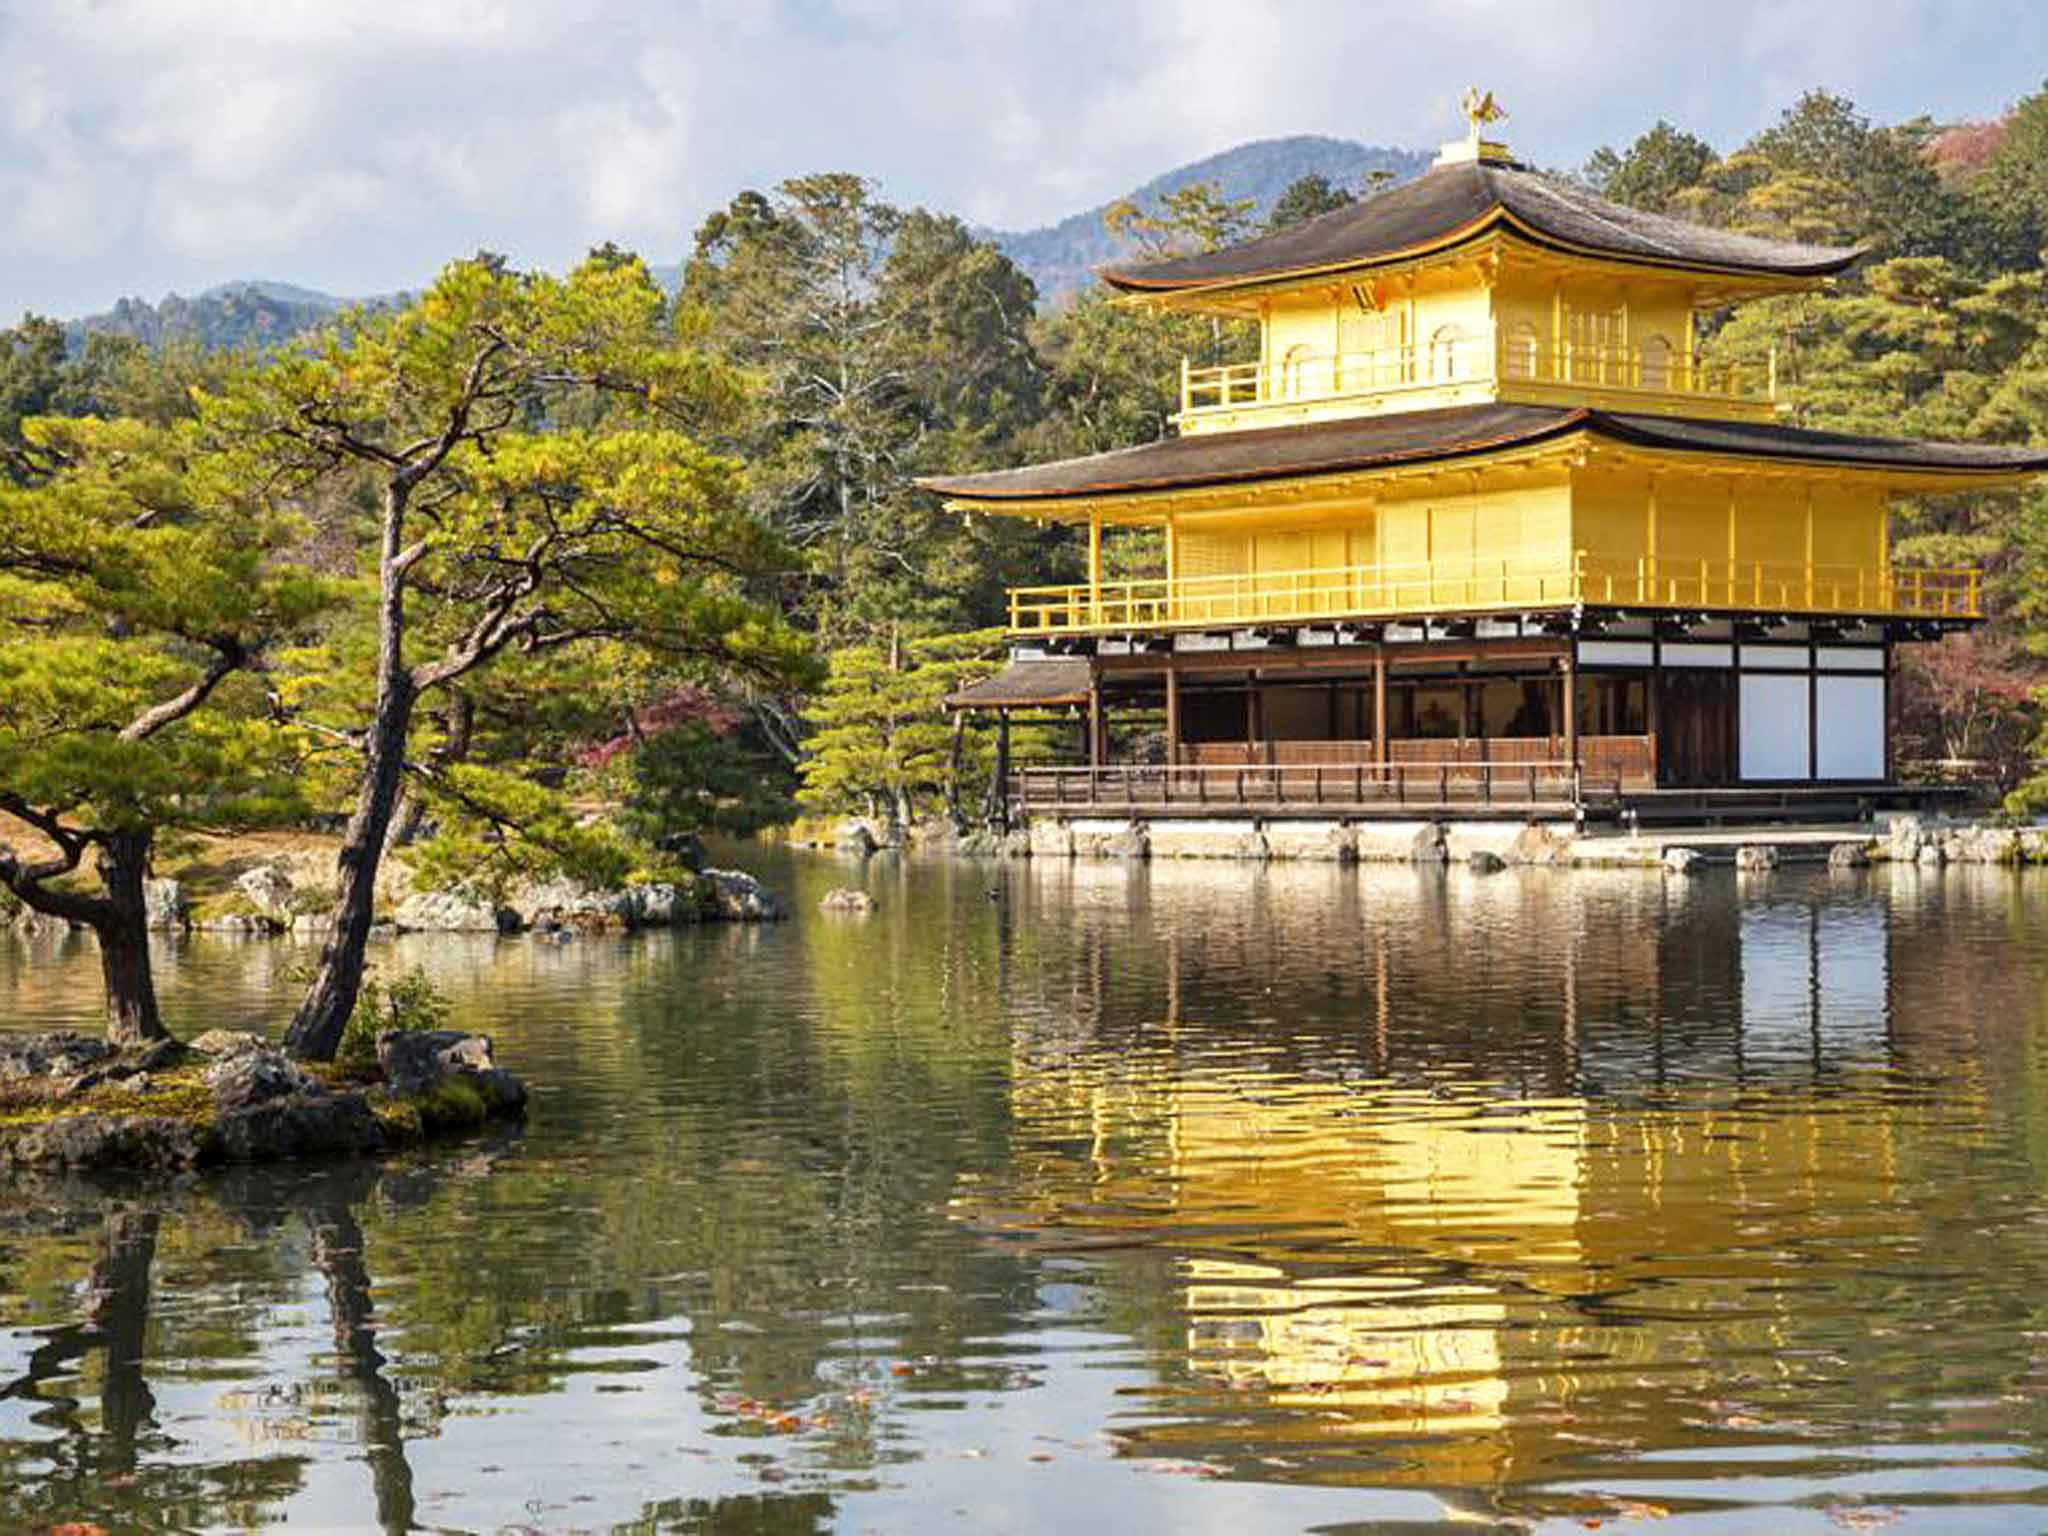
(1481,109)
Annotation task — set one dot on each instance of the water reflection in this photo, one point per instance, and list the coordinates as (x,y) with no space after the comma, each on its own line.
(1285,1197)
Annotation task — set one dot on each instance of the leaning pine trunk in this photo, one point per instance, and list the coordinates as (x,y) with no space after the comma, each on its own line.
(316,1029)
(121,921)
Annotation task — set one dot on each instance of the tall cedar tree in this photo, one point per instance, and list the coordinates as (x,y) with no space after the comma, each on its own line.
(495,531)
(885,344)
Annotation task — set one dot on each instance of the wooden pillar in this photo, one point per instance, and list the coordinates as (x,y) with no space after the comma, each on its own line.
(1095,732)
(1095,566)
(1652,681)
(1003,769)
(1254,709)
(1172,716)
(1571,709)
(1380,748)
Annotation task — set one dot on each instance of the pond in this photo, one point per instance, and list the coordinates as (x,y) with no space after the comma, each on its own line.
(1055,1196)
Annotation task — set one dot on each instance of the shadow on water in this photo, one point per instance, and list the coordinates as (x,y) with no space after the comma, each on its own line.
(1287,1198)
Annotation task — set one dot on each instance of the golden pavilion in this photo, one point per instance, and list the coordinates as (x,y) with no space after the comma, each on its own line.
(1479,526)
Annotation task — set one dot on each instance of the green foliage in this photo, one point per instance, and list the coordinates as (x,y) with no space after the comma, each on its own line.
(142,584)
(1309,198)
(884,345)
(407,1002)
(694,778)
(881,741)
(496,828)
(1653,170)
(1195,217)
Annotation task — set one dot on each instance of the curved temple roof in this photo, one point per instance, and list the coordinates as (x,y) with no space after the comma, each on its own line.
(1217,458)
(1452,204)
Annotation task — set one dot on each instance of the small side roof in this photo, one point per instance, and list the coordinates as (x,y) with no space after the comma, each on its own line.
(1451,204)
(1028,684)
(1366,442)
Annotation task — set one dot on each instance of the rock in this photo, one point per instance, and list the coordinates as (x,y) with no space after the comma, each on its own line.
(313,922)
(738,897)
(935,834)
(1990,845)
(59,1056)
(1848,856)
(414,1060)
(1430,846)
(1051,839)
(299,1125)
(237,922)
(248,1078)
(269,890)
(1017,844)
(1681,861)
(981,844)
(1931,855)
(226,1042)
(446,912)
(153,1057)
(856,838)
(421,1066)
(110,1141)
(1252,847)
(1537,844)
(847,899)
(1905,839)
(1129,842)
(656,905)
(555,904)
(1483,861)
(163,904)
(1756,859)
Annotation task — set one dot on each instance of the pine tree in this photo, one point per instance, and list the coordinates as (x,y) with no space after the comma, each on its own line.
(141,583)
(495,531)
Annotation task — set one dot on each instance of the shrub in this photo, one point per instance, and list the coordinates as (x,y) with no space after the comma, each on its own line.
(406,1002)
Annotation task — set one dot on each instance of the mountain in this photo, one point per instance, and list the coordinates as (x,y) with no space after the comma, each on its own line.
(1062,257)
(238,314)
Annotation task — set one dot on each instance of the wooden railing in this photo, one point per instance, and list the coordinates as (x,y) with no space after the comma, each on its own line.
(1493,355)
(1378,591)
(1158,788)
(1631,759)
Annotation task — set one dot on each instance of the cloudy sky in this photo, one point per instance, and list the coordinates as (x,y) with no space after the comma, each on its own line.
(155,145)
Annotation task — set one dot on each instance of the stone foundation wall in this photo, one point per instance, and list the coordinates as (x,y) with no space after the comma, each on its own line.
(1331,841)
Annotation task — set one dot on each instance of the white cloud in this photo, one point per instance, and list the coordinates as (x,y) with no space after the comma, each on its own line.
(150,144)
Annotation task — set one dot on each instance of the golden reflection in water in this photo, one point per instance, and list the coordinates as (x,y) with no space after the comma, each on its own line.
(1433,1249)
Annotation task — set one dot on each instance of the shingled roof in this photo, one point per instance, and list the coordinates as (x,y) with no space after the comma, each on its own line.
(1027,684)
(1366,442)
(1452,204)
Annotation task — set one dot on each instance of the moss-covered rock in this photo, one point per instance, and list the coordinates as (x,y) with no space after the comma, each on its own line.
(68,1101)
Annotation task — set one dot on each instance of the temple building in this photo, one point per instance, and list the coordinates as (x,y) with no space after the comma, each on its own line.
(1480,527)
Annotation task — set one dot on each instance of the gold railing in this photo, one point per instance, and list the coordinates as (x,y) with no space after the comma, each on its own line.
(1471,586)
(1493,355)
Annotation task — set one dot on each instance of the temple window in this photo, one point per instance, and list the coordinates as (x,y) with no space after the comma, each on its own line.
(1446,348)
(1653,363)
(1294,372)
(1521,350)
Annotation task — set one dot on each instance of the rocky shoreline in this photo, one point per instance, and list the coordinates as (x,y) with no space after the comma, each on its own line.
(75,1102)
(273,898)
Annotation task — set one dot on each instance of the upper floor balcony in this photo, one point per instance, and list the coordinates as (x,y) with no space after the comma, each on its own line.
(1481,585)
(1459,366)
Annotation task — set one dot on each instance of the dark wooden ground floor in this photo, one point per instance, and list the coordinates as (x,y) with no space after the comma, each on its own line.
(1587,714)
